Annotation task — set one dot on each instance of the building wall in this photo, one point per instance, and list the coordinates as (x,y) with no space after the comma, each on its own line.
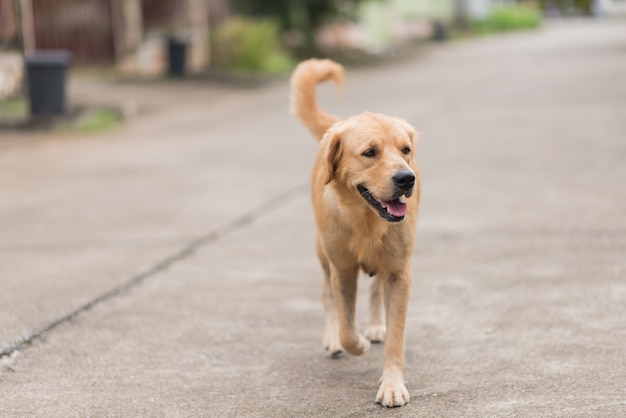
(11,73)
(8,26)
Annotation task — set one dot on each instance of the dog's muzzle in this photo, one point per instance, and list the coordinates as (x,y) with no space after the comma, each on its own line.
(392,210)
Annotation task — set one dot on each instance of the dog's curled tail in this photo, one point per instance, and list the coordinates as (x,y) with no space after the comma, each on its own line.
(307,75)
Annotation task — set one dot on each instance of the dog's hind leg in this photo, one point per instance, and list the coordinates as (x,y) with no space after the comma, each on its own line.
(375,331)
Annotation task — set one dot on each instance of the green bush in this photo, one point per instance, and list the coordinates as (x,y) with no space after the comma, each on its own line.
(243,44)
(506,18)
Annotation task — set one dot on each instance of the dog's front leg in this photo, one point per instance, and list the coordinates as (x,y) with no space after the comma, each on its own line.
(392,392)
(344,292)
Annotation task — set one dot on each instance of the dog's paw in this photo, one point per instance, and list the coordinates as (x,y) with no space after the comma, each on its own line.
(356,345)
(376,333)
(331,344)
(392,394)
(364,344)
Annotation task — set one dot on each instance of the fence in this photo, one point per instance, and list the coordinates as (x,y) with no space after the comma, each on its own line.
(84,27)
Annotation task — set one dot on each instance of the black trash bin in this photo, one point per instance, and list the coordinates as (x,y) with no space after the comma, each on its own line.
(177,55)
(440,33)
(46,76)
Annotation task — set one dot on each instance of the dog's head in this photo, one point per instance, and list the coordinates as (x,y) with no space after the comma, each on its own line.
(373,155)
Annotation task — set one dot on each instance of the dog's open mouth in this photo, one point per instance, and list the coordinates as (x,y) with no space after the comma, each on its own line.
(391,211)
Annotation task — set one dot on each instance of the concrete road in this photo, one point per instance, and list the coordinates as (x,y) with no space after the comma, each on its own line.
(167,268)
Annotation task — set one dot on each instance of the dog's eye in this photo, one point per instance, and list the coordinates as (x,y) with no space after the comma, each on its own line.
(406,150)
(370,153)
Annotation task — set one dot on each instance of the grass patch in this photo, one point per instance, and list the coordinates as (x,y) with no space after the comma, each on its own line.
(15,113)
(13,108)
(507,18)
(96,120)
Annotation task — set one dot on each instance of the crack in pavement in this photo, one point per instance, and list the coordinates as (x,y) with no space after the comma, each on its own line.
(185,252)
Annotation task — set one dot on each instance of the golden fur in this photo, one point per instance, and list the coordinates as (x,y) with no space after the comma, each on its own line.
(366,188)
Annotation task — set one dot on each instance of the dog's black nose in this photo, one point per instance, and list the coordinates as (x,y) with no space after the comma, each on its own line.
(404,180)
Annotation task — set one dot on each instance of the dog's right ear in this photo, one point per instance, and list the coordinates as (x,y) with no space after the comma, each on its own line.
(330,149)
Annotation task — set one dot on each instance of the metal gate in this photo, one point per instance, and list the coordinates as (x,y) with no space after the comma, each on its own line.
(84,27)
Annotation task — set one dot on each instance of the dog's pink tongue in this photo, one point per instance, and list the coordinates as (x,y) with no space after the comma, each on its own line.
(395,207)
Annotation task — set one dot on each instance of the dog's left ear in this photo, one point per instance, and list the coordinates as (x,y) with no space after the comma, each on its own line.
(330,149)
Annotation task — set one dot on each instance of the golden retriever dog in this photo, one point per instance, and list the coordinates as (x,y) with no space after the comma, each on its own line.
(366,188)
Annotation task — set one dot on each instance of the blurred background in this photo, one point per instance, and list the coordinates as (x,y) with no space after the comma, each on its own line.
(142,37)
